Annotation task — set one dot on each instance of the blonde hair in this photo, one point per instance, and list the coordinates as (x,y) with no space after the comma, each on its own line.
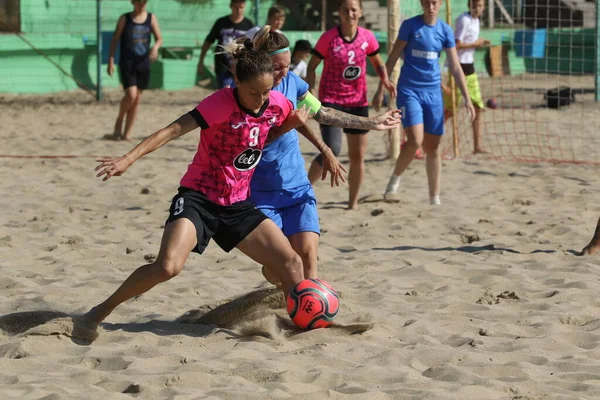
(266,40)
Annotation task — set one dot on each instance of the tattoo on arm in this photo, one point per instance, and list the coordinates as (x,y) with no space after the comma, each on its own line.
(333,117)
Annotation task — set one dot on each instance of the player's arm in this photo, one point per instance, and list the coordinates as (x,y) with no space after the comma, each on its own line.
(330,162)
(382,73)
(478,44)
(114,43)
(333,117)
(294,119)
(311,71)
(158,40)
(393,57)
(459,78)
(210,39)
(118,166)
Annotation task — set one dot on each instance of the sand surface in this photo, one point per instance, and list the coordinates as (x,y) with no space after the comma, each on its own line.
(483,297)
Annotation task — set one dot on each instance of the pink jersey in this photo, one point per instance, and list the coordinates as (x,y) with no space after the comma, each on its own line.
(343,81)
(231,143)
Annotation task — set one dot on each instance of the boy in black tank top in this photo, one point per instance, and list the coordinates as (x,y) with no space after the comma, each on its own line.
(133,32)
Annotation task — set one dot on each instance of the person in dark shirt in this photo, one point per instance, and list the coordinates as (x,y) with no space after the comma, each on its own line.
(225,30)
(133,32)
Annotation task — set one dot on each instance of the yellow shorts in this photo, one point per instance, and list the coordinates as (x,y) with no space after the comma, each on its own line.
(474,93)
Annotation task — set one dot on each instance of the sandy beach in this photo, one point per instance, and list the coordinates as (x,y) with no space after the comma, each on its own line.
(484,297)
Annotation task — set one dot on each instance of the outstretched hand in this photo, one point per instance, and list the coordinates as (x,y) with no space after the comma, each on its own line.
(112,167)
(387,120)
(332,165)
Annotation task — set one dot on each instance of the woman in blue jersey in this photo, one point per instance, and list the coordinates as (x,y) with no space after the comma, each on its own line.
(421,40)
(280,187)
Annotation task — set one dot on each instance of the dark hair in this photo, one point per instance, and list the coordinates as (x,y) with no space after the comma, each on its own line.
(249,63)
(360,4)
(266,40)
(237,1)
(275,11)
(302,45)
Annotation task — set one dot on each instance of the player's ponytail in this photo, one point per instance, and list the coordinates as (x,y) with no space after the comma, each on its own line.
(269,41)
(249,63)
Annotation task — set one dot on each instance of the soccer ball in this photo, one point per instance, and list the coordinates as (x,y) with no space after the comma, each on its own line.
(312,304)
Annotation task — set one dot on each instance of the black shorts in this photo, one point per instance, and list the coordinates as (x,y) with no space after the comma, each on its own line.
(360,111)
(227,225)
(135,73)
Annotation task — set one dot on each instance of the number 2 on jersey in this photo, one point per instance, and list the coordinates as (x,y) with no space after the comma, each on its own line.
(351,55)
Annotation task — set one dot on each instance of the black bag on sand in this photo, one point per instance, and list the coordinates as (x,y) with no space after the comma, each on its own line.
(560,97)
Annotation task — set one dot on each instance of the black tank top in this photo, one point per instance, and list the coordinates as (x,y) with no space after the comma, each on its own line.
(135,40)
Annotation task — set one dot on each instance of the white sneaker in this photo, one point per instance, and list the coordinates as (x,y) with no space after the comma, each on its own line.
(435,200)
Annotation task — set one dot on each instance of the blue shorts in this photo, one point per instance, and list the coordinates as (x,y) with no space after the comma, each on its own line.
(294,211)
(422,107)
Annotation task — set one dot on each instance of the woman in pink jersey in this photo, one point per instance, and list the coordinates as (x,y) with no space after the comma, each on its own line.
(211,202)
(343,86)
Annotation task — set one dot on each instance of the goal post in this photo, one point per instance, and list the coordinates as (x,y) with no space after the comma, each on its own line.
(394,134)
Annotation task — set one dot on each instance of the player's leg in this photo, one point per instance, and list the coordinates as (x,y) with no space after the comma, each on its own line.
(477,100)
(594,246)
(129,81)
(143,81)
(412,121)
(185,231)
(357,148)
(267,245)
(332,136)
(433,123)
(260,200)
(301,226)
(433,165)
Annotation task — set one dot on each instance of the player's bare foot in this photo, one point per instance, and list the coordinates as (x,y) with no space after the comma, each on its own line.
(118,129)
(86,325)
(480,150)
(353,207)
(592,248)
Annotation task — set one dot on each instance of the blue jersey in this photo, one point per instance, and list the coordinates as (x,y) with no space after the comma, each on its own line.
(282,164)
(421,69)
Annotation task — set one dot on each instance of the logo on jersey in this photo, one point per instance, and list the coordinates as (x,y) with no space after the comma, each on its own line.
(272,120)
(239,125)
(337,48)
(352,72)
(247,160)
(364,45)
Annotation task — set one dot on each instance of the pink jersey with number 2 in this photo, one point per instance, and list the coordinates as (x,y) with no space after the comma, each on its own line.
(343,81)
(231,143)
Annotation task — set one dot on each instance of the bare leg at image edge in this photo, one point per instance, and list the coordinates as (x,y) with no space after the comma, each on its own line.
(594,246)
